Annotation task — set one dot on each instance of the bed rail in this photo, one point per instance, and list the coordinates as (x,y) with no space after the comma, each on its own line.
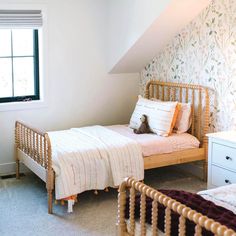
(36,147)
(132,186)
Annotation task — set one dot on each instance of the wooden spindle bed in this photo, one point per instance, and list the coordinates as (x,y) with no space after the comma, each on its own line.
(33,147)
(128,229)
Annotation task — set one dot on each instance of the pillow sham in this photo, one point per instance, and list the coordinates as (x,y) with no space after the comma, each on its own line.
(160,115)
(184,118)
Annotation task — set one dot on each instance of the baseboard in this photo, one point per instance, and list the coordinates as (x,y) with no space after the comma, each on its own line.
(10,168)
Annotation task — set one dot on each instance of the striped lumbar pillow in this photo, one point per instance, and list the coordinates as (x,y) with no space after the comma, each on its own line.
(160,115)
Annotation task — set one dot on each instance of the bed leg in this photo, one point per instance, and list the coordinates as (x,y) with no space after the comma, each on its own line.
(50,201)
(17,169)
(17,162)
(50,186)
(121,224)
(205,167)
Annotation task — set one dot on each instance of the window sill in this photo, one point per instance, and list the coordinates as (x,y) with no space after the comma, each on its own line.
(29,105)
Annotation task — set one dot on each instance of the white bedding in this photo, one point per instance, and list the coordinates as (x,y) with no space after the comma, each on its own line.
(153,144)
(97,157)
(224,196)
(93,158)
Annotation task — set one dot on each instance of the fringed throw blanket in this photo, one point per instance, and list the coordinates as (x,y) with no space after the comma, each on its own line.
(195,202)
(93,158)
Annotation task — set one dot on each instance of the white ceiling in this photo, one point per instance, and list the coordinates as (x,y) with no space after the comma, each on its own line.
(172,19)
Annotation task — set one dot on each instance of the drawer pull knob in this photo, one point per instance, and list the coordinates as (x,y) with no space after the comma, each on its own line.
(227,181)
(228,158)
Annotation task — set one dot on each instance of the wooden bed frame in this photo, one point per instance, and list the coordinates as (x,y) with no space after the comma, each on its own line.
(132,186)
(33,147)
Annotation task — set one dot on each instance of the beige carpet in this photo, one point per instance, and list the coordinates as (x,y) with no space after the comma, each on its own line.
(23,206)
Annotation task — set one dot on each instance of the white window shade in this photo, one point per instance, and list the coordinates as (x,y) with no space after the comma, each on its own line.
(21,19)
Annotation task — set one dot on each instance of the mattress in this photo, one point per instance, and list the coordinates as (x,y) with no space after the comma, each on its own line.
(153,144)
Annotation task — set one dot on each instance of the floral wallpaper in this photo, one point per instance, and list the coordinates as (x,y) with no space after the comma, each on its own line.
(204,52)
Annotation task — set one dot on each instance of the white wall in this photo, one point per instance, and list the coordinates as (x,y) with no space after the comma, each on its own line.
(80,90)
(167,24)
(127,21)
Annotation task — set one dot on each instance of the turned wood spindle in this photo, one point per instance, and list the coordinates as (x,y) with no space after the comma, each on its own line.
(132,210)
(154,217)
(143,214)
(182,226)
(167,221)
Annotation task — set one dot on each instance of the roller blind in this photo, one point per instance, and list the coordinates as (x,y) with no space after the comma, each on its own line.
(21,19)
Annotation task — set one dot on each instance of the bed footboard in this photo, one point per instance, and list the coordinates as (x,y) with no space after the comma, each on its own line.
(33,148)
(132,186)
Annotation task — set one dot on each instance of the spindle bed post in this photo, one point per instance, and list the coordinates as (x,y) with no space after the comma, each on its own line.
(205,130)
(50,174)
(17,133)
(121,224)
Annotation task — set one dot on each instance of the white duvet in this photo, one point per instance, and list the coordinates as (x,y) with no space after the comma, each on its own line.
(93,158)
(224,196)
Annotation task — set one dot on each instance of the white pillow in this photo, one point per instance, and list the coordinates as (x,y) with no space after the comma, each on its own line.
(184,118)
(160,115)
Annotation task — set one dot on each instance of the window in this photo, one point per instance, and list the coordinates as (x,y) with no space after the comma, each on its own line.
(19,65)
(19,54)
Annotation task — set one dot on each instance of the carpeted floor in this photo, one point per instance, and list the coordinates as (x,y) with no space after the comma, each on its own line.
(23,206)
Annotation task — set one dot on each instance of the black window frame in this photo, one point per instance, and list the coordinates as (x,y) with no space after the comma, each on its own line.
(36,95)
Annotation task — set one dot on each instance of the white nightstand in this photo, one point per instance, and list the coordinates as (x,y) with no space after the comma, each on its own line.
(221,158)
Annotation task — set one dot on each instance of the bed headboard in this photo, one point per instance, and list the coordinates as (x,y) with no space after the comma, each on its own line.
(197,95)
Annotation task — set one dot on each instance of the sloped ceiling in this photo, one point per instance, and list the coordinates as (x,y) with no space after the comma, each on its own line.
(167,24)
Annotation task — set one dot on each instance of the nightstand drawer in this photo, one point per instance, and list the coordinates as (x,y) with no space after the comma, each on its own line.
(221,176)
(224,156)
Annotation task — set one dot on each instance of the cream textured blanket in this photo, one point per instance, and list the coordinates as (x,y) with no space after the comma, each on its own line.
(93,158)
